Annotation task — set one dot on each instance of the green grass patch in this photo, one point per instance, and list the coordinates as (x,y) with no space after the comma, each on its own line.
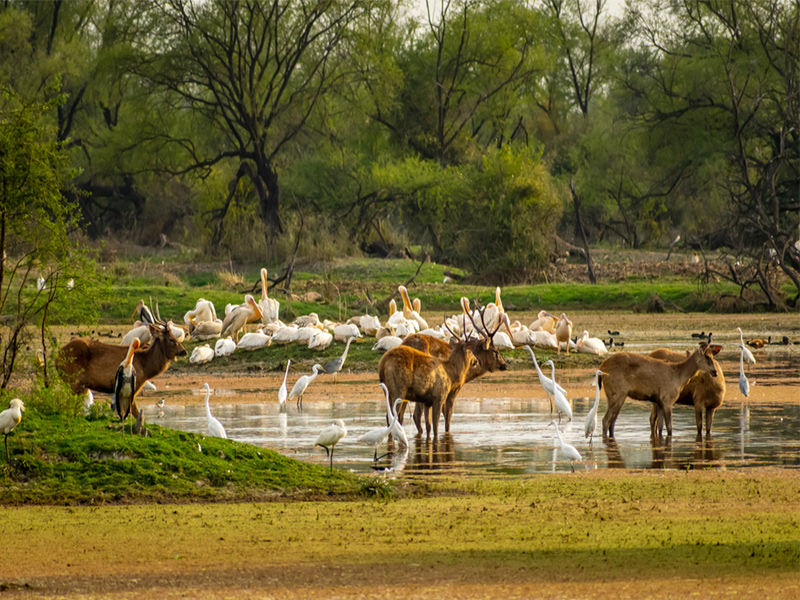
(58,458)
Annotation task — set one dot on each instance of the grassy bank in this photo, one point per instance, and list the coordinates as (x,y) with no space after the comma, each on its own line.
(58,458)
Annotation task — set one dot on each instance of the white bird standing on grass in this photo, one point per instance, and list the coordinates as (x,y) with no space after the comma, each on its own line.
(330,436)
(591,418)
(282,391)
(301,384)
(10,418)
(215,428)
(560,398)
(568,451)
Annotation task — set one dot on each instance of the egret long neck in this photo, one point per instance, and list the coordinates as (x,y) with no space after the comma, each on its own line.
(208,408)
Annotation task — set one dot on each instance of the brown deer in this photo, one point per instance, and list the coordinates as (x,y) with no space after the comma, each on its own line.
(703,391)
(645,378)
(487,359)
(425,379)
(91,365)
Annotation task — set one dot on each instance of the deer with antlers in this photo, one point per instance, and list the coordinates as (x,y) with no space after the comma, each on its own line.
(87,364)
(431,372)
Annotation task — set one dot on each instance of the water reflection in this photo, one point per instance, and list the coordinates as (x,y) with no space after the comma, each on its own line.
(509,436)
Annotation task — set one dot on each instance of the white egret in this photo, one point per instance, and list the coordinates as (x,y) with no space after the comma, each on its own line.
(547,383)
(10,418)
(40,283)
(560,398)
(301,384)
(374,437)
(744,384)
(397,430)
(215,428)
(591,418)
(283,393)
(568,451)
(330,436)
(88,402)
(748,356)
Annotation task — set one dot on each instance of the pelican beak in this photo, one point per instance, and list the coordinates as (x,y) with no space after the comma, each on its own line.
(257,308)
(404,293)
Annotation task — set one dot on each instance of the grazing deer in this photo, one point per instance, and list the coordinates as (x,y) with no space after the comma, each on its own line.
(92,365)
(703,391)
(645,378)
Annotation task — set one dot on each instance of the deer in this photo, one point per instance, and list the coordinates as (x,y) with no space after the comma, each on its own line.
(86,364)
(703,391)
(486,359)
(641,377)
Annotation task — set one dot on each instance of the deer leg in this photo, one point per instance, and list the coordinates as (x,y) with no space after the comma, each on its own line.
(698,419)
(436,410)
(418,408)
(653,420)
(709,420)
(610,418)
(668,417)
(449,406)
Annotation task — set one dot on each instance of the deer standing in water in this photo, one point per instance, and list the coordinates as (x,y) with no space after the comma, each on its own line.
(641,377)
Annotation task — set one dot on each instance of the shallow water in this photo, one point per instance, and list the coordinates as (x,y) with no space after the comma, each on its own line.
(510,434)
(500,424)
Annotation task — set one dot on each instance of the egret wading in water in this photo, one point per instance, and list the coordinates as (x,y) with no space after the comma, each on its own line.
(562,404)
(330,436)
(744,384)
(215,428)
(548,384)
(746,354)
(374,437)
(568,451)
(9,419)
(591,418)
(301,384)
(283,392)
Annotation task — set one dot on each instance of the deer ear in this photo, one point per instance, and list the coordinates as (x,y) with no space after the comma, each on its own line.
(715,348)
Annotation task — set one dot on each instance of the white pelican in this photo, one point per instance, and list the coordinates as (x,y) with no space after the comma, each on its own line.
(309,320)
(202,354)
(207,330)
(254,340)
(285,335)
(239,316)
(587,345)
(301,384)
(408,311)
(306,334)
(202,312)
(544,320)
(369,325)
(140,331)
(10,418)
(591,418)
(224,346)
(215,428)
(320,341)
(179,333)
(568,451)
(386,343)
(269,306)
(330,436)
(341,333)
(563,332)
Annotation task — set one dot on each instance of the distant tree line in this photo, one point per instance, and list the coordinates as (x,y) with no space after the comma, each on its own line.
(489,133)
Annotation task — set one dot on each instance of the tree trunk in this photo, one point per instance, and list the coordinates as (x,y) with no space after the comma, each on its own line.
(576,202)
